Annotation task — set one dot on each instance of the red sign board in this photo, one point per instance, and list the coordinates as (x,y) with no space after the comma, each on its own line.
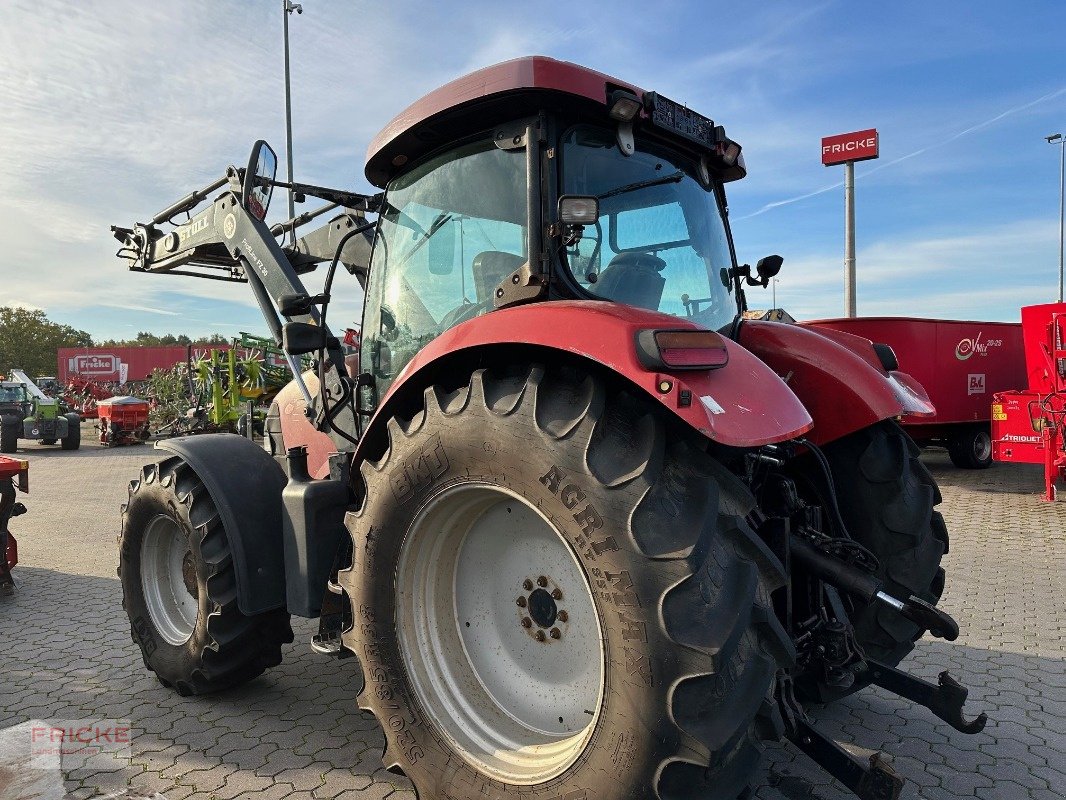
(857,146)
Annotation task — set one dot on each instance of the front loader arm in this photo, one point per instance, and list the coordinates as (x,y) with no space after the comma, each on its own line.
(198,246)
(225,242)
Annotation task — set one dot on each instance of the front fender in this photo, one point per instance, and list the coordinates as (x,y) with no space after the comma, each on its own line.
(838,377)
(744,404)
(245,485)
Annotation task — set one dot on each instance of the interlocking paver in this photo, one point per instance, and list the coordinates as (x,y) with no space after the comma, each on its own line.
(296,733)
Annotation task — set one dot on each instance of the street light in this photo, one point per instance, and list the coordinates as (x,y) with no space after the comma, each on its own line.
(774,282)
(1058,137)
(287,7)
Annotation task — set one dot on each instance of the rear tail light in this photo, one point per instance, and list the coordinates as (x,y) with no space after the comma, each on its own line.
(686,349)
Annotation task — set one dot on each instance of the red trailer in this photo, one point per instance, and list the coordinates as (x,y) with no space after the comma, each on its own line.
(120,365)
(1027,426)
(961,364)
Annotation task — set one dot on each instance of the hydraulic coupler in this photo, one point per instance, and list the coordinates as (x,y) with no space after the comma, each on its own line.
(870,589)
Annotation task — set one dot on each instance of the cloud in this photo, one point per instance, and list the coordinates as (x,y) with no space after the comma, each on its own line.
(148,309)
(985,276)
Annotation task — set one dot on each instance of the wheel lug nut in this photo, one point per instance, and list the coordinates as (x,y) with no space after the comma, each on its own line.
(557,594)
(542,581)
(527,584)
(555,634)
(521,602)
(540,636)
(527,622)
(563,616)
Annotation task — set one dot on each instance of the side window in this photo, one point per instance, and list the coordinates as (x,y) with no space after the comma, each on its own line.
(451,230)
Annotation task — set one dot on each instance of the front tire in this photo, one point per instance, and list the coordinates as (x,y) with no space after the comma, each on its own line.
(527,493)
(179,588)
(9,436)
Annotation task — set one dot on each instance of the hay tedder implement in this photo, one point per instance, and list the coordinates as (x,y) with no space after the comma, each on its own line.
(590,533)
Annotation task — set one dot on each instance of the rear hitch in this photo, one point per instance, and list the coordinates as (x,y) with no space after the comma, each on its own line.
(870,780)
(945,698)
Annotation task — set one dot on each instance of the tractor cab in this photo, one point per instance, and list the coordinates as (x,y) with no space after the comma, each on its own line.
(555,183)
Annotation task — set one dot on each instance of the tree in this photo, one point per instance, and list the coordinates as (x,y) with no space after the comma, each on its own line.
(148,339)
(30,341)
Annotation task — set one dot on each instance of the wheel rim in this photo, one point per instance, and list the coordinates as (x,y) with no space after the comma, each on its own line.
(982,447)
(168,580)
(499,633)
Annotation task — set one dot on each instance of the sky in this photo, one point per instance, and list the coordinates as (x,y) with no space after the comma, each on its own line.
(113,109)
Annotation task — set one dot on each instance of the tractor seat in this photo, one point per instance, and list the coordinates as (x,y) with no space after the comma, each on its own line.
(490,268)
(633,279)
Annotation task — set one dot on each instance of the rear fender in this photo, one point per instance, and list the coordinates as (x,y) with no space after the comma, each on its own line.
(246,486)
(744,404)
(838,377)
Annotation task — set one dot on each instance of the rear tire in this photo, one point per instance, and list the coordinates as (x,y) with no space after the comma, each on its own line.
(971,448)
(72,441)
(887,499)
(9,436)
(179,588)
(551,475)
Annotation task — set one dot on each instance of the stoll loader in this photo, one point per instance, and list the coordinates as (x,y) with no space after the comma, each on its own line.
(589,532)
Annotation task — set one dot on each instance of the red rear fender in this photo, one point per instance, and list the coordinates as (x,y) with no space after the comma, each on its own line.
(743,404)
(838,377)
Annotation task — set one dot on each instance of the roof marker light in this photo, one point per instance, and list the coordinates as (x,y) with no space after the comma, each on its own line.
(624,105)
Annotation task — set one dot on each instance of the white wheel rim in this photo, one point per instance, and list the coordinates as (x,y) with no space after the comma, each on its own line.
(518,700)
(165,564)
(982,446)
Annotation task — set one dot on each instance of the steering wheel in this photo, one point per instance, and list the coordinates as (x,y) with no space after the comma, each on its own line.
(466,311)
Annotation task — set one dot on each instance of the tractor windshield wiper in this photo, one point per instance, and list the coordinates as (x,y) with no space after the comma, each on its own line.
(673,177)
(441,220)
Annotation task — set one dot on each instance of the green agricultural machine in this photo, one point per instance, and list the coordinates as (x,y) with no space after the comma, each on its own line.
(28,413)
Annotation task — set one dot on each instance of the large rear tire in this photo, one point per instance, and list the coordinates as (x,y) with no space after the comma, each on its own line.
(888,500)
(555,593)
(179,588)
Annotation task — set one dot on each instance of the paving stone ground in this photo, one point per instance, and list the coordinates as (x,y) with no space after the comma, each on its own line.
(65,653)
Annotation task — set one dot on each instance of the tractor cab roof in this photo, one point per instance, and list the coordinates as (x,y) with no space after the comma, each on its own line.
(477,101)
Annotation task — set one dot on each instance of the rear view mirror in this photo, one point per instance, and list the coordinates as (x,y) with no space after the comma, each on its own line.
(259,180)
(768,267)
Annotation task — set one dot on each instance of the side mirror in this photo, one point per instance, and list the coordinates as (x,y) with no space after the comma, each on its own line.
(768,268)
(298,338)
(259,180)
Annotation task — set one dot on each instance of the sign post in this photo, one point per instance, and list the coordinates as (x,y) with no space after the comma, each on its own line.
(846,149)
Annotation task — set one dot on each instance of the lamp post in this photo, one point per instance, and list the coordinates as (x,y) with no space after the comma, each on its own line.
(774,282)
(287,7)
(1053,139)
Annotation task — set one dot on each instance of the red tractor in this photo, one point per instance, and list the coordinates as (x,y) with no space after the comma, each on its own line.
(590,533)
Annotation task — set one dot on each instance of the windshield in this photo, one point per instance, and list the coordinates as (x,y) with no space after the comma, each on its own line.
(451,230)
(660,241)
(12,394)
